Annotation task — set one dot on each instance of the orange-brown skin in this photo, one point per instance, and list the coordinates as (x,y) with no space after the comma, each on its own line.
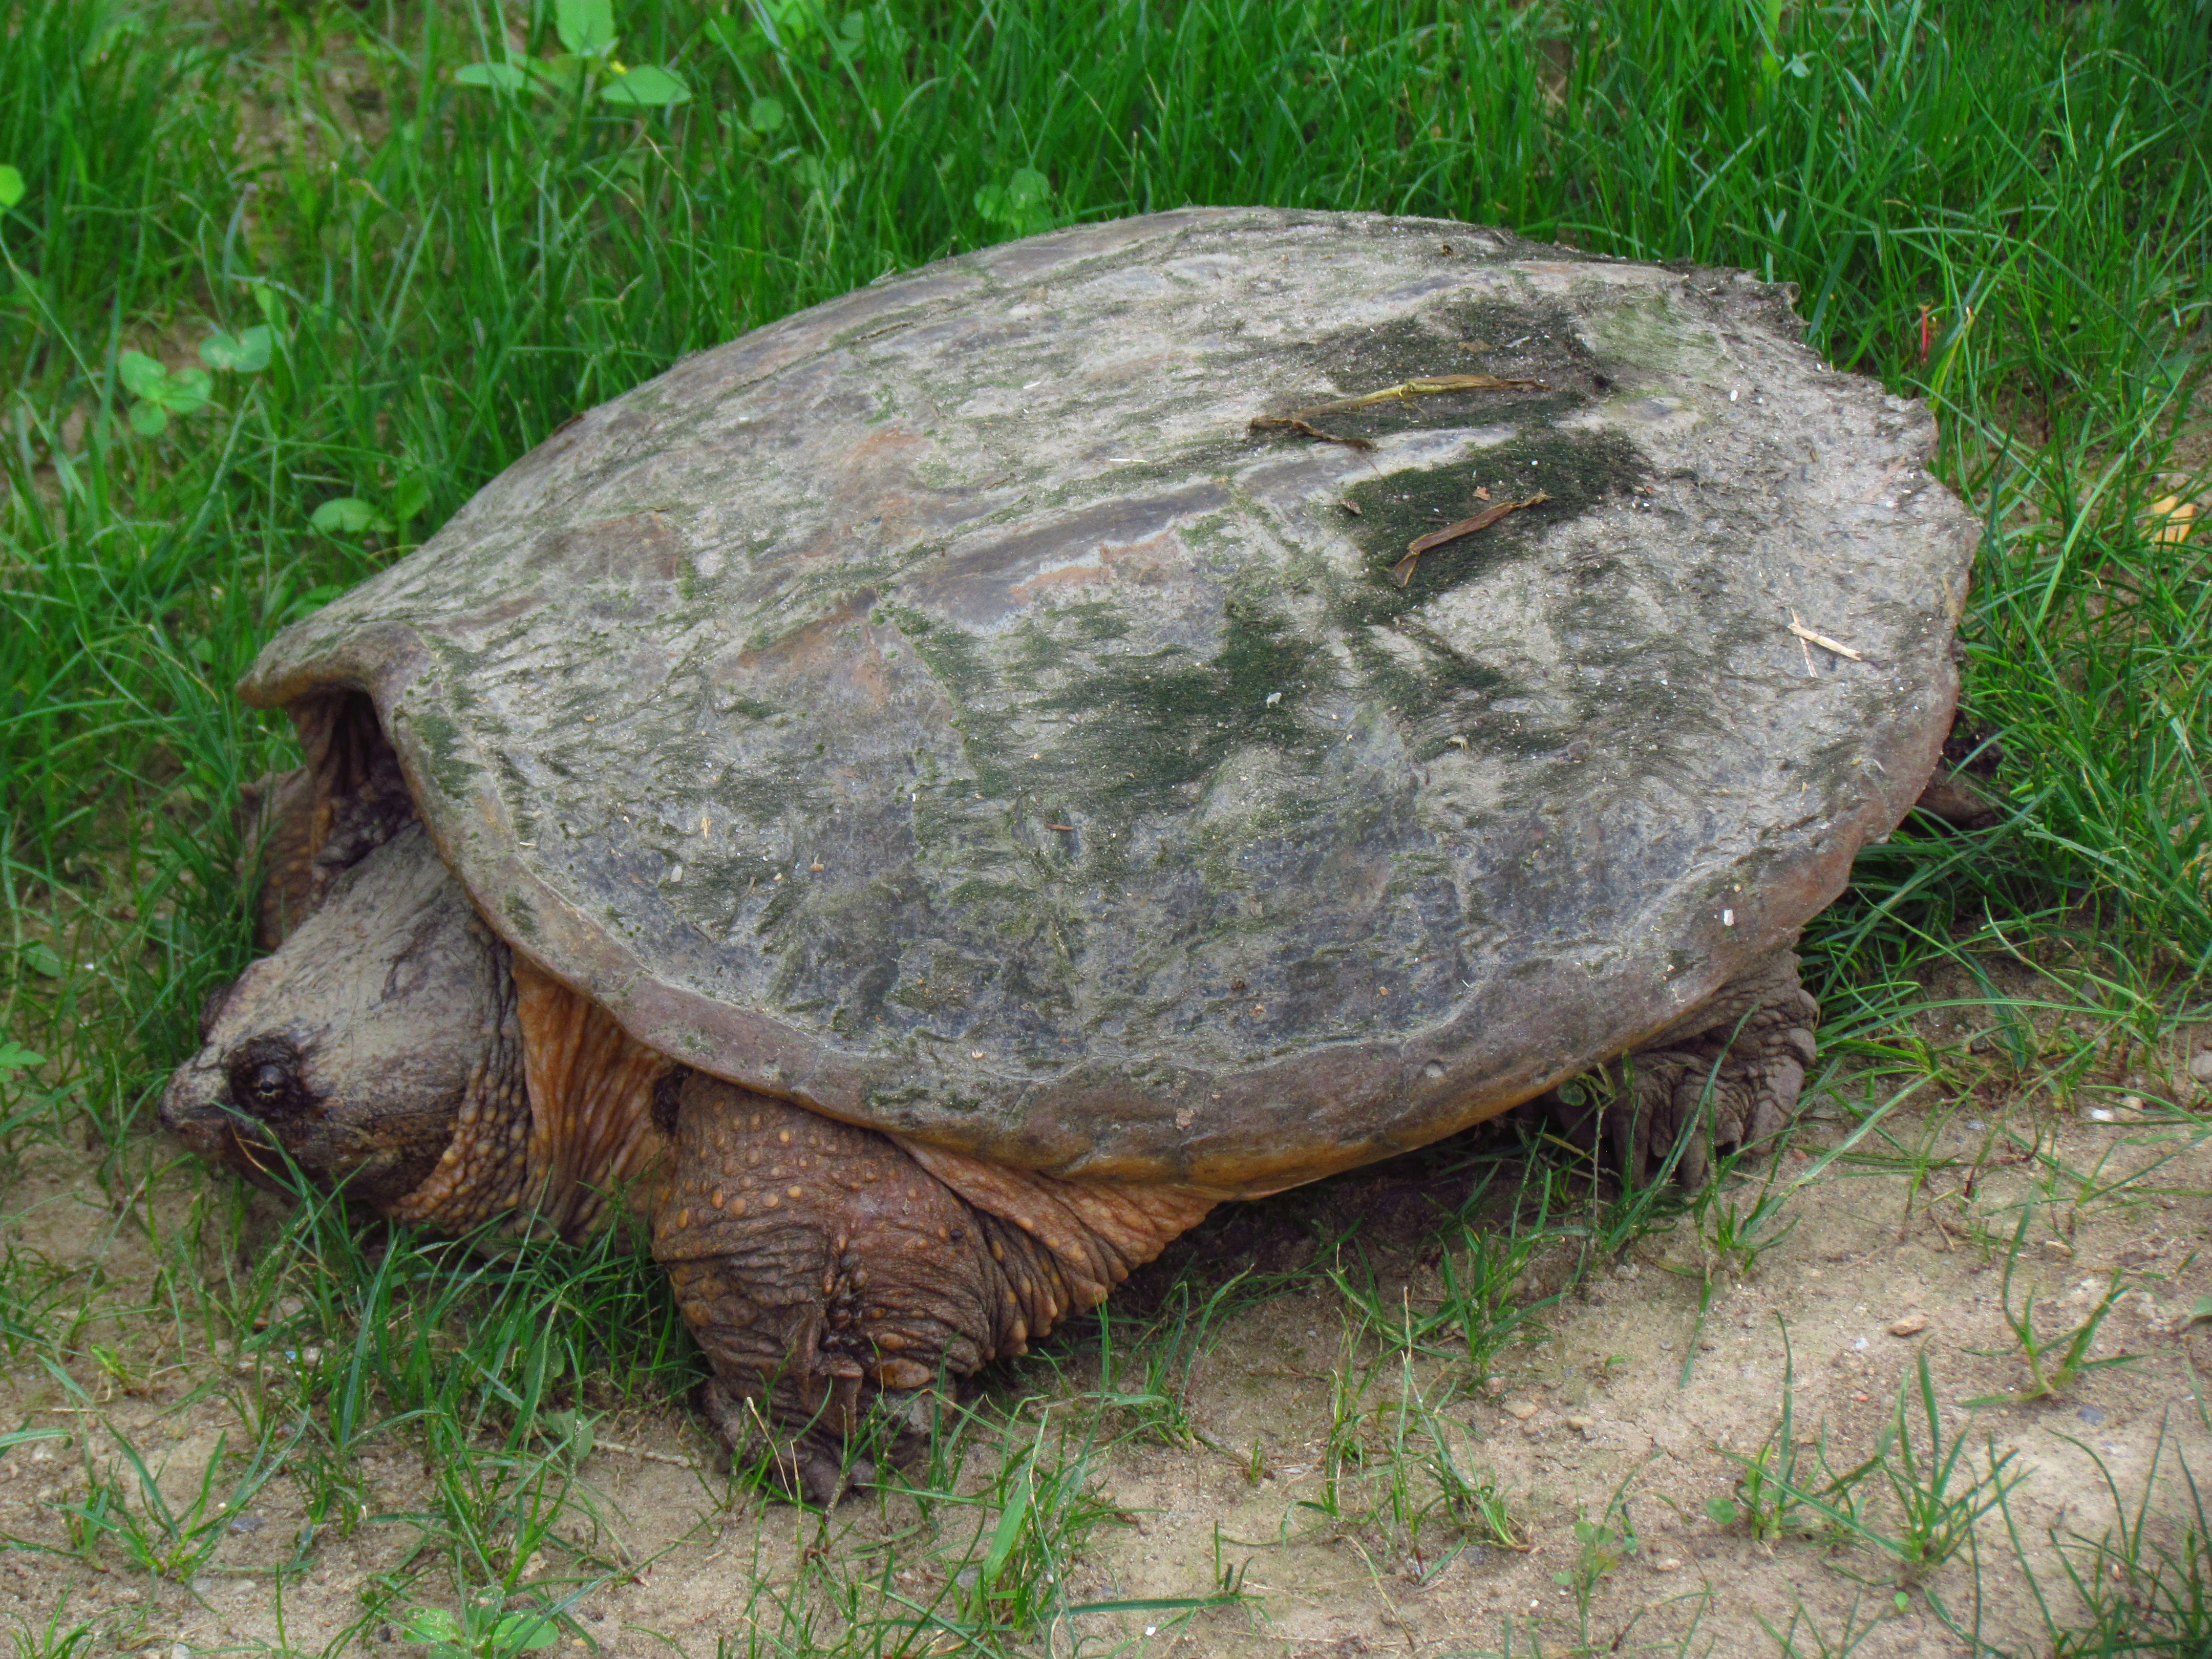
(592,1142)
(448,1082)
(818,1263)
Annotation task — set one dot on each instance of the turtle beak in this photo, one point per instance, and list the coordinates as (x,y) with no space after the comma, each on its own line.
(198,1109)
(194,1107)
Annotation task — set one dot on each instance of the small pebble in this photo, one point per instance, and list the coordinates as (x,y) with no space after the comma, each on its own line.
(2201,1067)
(1910,1325)
(2092,1415)
(1520,1410)
(1669,1564)
(1580,1422)
(1859,1345)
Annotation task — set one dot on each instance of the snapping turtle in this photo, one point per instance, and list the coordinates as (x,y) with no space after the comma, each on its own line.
(925,799)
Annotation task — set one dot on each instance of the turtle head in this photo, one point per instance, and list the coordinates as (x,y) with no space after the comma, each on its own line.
(355,1045)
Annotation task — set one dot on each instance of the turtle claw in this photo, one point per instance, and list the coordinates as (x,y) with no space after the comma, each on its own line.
(1723,1080)
(831,1457)
(815,1464)
(1731,1090)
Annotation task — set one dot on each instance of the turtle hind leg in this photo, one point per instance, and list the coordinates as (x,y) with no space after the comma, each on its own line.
(813,1462)
(825,1268)
(1723,1078)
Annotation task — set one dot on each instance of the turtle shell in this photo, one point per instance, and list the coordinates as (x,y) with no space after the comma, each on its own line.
(945,709)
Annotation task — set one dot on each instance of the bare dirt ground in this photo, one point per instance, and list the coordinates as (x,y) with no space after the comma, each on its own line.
(1294,1457)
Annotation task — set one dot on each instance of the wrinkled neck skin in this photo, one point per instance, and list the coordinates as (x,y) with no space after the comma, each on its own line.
(568,1140)
(391,1046)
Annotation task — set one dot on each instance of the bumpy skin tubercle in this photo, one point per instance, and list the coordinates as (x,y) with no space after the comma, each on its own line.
(820,1264)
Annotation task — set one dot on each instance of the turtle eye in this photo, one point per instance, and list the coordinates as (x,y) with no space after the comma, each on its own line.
(265,1085)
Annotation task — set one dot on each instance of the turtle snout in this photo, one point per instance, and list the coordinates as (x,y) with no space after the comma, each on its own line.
(196,1106)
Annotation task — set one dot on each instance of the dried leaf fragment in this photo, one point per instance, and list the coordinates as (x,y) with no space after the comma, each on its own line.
(1402,572)
(1428,385)
(2170,518)
(1306,430)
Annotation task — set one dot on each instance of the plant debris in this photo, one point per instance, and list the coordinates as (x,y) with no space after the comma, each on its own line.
(1306,429)
(1402,572)
(1428,387)
(2170,518)
(1797,626)
(1300,422)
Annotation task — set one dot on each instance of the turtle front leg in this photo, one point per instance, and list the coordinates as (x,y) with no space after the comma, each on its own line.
(1734,1066)
(821,1266)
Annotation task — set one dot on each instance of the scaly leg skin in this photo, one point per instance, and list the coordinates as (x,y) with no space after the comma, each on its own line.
(822,1266)
(1739,1057)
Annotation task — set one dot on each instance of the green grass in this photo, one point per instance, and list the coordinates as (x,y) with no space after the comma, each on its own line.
(2005,209)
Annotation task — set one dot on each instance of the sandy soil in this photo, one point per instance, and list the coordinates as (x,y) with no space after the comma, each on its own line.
(1594,1422)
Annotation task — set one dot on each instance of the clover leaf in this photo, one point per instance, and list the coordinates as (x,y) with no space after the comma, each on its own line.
(432,1625)
(787,20)
(246,352)
(347,515)
(446,1637)
(646,85)
(504,76)
(161,392)
(586,28)
(1019,204)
